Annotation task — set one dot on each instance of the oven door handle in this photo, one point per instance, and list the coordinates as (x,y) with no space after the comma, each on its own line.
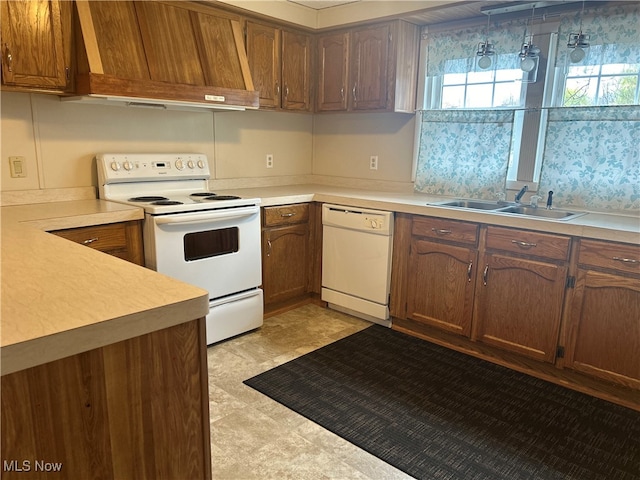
(210,216)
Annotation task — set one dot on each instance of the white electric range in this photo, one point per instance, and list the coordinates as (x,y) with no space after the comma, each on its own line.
(192,234)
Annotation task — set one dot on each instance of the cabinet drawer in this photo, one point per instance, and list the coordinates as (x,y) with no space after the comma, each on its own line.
(285,214)
(451,230)
(101,237)
(529,243)
(614,256)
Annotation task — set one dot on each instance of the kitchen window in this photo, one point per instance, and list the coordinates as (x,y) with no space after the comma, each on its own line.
(607,78)
(604,84)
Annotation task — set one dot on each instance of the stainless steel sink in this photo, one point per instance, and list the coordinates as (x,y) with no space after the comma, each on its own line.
(541,212)
(504,207)
(473,204)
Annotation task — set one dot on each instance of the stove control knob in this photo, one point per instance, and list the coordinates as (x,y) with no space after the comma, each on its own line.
(200,164)
(190,164)
(115,166)
(179,164)
(127,165)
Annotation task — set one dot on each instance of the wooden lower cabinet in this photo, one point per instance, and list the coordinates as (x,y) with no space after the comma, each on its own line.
(441,281)
(518,305)
(604,317)
(563,309)
(134,409)
(291,239)
(122,240)
(286,262)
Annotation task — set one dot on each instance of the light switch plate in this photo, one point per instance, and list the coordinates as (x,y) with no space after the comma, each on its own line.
(18,167)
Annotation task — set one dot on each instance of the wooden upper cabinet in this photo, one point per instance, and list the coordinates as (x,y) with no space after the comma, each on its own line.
(280,64)
(379,62)
(333,56)
(370,68)
(296,71)
(32,44)
(263,55)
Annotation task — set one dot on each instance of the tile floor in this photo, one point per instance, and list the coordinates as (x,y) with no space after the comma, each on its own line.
(253,437)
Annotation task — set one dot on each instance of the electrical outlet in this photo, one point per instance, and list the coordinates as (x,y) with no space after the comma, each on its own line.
(373,162)
(18,167)
(269,160)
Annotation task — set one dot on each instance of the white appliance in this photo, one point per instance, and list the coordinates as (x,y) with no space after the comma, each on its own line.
(356,261)
(191,234)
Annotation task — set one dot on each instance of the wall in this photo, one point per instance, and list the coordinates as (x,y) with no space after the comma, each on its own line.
(59,140)
(343,143)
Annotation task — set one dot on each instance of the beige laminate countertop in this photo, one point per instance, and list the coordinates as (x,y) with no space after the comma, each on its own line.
(603,226)
(60,298)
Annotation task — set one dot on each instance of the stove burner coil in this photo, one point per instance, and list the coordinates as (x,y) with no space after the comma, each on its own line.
(166,202)
(202,194)
(148,199)
(222,197)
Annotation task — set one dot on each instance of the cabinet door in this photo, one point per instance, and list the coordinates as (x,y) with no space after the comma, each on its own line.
(296,71)
(370,68)
(219,45)
(604,327)
(285,262)
(518,305)
(441,285)
(333,55)
(118,49)
(169,43)
(263,53)
(32,45)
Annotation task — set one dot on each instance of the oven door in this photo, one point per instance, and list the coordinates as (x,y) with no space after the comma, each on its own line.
(218,250)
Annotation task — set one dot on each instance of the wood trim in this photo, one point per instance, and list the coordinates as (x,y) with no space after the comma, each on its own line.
(89,35)
(399,264)
(242,56)
(120,87)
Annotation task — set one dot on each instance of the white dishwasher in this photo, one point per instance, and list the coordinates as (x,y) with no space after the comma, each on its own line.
(356,261)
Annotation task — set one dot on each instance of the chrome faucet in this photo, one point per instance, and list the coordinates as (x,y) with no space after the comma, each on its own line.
(522,191)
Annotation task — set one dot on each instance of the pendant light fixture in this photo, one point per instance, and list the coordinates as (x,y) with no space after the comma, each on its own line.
(529,54)
(485,50)
(578,42)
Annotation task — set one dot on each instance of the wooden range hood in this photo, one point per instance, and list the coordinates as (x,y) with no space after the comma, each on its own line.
(173,54)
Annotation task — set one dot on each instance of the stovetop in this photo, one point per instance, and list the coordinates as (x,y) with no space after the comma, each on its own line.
(162,183)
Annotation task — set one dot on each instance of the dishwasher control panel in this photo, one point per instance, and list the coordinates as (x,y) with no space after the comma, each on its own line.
(354,218)
(374,223)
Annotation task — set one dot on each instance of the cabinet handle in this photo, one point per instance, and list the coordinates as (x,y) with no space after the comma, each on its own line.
(441,231)
(626,260)
(287,215)
(469,269)
(485,274)
(90,241)
(355,98)
(342,93)
(524,245)
(268,247)
(278,89)
(286,91)
(9,57)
